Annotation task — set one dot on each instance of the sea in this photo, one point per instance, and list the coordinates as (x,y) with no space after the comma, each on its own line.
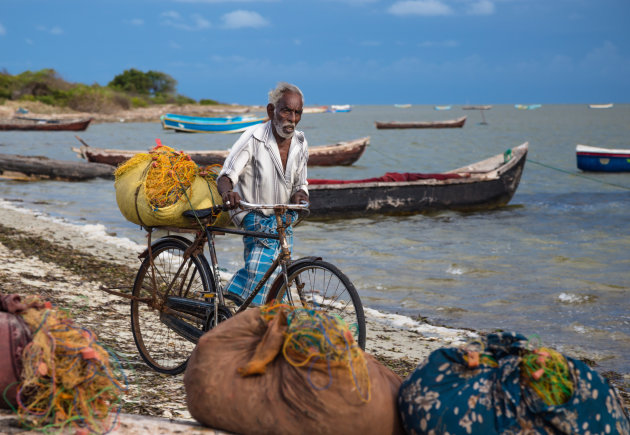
(553,265)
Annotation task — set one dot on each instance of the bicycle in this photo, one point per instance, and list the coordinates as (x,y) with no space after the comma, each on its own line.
(178,295)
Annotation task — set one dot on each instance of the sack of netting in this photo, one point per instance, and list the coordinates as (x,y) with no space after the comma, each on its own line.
(153,189)
(502,385)
(14,336)
(275,370)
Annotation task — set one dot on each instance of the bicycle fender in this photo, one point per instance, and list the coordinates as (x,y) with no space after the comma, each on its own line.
(302,260)
(184,240)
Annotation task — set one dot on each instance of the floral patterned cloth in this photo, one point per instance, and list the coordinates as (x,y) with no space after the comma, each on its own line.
(445,395)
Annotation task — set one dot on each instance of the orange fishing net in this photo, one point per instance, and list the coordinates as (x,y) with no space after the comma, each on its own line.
(69,379)
(316,337)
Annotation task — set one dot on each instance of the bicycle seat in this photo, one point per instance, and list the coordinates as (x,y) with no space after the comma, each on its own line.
(201,213)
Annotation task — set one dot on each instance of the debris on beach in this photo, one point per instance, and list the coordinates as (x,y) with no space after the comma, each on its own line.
(67,379)
(506,383)
(284,370)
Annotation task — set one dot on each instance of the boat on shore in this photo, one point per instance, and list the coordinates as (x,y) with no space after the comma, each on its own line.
(483,185)
(598,159)
(452,123)
(199,124)
(600,106)
(338,154)
(43,124)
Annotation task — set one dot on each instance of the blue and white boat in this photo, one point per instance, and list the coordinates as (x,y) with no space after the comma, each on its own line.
(602,159)
(199,124)
(340,108)
(528,106)
(442,107)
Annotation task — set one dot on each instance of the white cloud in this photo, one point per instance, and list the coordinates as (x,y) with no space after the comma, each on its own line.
(136,22)
(420,7)
(195,22)
(482,7)
(240,18)
(56,30)
(3,31)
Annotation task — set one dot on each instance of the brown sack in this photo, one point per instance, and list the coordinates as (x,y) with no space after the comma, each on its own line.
(283,399)
(14,336)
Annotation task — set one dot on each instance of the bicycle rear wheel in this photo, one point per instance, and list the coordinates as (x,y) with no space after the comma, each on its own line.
(160,346)
(317,284)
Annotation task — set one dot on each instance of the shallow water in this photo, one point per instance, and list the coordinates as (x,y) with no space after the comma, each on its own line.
(554,263)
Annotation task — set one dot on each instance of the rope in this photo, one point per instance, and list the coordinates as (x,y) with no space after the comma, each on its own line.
(621,186)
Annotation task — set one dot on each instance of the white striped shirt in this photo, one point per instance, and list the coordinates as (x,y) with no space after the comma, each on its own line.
(255,168)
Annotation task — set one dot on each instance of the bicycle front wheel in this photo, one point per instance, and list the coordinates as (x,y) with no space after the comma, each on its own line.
(155,332)
(317,284)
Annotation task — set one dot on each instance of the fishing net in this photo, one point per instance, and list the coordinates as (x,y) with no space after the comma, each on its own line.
(155,188)
(314,337)
(68,378)
(505,383)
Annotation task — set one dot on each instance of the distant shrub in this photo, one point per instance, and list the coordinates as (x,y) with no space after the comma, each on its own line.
(208,102)
(138,102)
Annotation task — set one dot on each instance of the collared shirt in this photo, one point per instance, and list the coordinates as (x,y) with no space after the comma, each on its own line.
(255,168)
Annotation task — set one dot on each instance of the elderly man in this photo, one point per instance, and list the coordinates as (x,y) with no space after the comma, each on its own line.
(267,165)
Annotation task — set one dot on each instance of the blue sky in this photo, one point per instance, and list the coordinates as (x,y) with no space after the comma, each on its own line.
(337,51)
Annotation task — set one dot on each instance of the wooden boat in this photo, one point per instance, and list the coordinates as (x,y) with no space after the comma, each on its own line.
(442,107)
(40,124)
(339,154)
(197,124)
(316,109)
(453,123)
(600,106)
(602,159)
(476,107)
(487,184)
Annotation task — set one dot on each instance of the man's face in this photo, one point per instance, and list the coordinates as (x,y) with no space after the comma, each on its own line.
(287,114)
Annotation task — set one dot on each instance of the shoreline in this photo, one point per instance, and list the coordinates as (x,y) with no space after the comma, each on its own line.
(46,256)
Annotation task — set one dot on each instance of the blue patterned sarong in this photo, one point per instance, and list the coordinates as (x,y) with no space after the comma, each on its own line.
(258,255)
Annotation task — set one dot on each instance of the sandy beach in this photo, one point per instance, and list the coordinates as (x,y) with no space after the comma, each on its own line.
(60,263)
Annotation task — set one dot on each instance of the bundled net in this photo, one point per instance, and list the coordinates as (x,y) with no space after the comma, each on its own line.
(316,337)
(547,373)
(68,379)
(170,174)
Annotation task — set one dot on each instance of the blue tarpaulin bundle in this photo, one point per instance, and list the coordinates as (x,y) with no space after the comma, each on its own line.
(486,391)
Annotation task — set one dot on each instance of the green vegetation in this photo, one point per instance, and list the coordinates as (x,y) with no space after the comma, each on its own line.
(132,88)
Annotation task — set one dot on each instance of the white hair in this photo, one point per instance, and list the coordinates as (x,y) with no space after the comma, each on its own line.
(281,89)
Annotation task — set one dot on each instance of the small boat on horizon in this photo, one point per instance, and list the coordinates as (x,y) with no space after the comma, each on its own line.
(201,124)
(340,108)
(486,107)
(315,109)
(598,159)
(600,106)
(402,106)
(528,106)
(452,123)
(442,107)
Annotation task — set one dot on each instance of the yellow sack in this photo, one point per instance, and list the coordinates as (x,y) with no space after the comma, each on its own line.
(181,185)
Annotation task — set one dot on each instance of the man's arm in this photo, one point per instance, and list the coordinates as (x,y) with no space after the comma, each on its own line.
(299,196)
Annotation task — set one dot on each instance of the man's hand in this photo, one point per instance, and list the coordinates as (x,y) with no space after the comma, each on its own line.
(231,199)
(299,196)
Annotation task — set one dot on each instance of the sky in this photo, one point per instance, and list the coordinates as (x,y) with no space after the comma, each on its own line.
(336,51)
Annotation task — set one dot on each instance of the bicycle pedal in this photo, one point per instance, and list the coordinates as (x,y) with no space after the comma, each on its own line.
(208,295)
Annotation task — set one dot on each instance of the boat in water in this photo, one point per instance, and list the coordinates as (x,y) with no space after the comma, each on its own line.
(598,159)
(199,124)
(483,185)
(451,123)
(44,124)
